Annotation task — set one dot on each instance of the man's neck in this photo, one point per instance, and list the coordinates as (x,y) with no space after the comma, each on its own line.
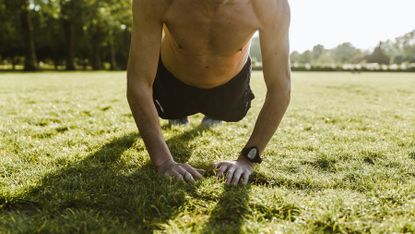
(215,3)
(220,2)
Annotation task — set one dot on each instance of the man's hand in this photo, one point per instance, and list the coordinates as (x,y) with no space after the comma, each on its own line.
(235,171)
(181,171)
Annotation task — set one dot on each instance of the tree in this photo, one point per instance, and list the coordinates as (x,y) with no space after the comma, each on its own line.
(91,30)
(22,8)
(378,56)
(401,49)
(50,41)
(69,16)
(306,57)
(295,57)
(345,53)
(104,20)
(10,39)
(316,53)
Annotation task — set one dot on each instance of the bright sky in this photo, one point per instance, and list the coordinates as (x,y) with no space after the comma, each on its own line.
(362,22)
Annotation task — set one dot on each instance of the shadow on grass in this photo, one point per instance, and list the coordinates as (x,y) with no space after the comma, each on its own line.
(180,146)
(228,215)
(112,195)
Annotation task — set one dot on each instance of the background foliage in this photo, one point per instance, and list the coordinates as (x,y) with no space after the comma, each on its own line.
(70,33)
(393,54)
(95,34)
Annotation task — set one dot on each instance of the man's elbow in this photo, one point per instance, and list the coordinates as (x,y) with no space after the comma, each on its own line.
(130,88)
(136,85)
(137,92)
(130,95)
(281,93)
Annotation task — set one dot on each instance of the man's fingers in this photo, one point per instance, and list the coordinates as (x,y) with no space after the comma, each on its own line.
(176,175)
(229,175)
(222,170)
(189,178)
(201,171)
(236,177)
(180,169)
(215,166)
(195,174)
(185,174)
(245,178)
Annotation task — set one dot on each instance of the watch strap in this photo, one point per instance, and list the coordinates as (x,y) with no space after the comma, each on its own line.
(252,154)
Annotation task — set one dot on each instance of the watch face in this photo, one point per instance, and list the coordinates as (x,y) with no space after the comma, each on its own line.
(252,153)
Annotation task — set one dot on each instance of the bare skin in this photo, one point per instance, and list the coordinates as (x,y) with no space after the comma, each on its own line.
(205,44)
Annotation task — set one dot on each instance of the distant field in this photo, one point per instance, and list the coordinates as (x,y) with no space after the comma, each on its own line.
(343,160)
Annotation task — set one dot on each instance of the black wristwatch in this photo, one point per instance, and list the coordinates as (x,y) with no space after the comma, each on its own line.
(252,154)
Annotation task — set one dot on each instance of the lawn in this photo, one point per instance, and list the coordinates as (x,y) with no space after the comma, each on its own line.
(72,161)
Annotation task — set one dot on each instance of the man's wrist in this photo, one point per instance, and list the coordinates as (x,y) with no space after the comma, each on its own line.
(251,155)
(163,165)
(244,160)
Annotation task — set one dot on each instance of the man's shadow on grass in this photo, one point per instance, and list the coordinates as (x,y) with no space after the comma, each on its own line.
(140,198)
(229,212)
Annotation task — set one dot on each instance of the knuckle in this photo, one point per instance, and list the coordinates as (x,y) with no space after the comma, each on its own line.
(181,169)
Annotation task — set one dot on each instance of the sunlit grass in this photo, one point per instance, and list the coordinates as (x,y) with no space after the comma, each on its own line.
(71,160)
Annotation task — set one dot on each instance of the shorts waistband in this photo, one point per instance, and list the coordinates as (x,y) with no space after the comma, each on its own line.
(240,77)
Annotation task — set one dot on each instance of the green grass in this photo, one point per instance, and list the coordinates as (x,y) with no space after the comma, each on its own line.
(72,161)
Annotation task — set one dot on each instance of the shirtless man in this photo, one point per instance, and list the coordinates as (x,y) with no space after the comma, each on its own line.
(202,65)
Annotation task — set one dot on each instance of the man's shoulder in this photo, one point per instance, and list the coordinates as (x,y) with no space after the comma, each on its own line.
(271,10)
(152,7)
(265,4)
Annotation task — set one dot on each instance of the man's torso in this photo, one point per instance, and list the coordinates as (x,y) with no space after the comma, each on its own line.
(206,44)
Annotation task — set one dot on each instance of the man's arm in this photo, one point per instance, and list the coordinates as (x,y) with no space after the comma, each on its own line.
(142,69)
(274,39)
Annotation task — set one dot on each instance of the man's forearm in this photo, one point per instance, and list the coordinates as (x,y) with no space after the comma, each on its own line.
(148,123)
(275,106)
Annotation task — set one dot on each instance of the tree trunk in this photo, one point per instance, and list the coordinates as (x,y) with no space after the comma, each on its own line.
(113,61)
(56,63)
(96,57)
(14,63)
(70,47)
(96,50)
(85,64)
(28,40)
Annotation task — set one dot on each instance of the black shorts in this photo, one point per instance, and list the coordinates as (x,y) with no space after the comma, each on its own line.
(229,102)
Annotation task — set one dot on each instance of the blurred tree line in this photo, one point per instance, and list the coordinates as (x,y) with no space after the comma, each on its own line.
(95,34)
(75,34)
(396,51)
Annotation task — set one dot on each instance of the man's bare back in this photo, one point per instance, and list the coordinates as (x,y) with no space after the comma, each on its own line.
(205,44)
